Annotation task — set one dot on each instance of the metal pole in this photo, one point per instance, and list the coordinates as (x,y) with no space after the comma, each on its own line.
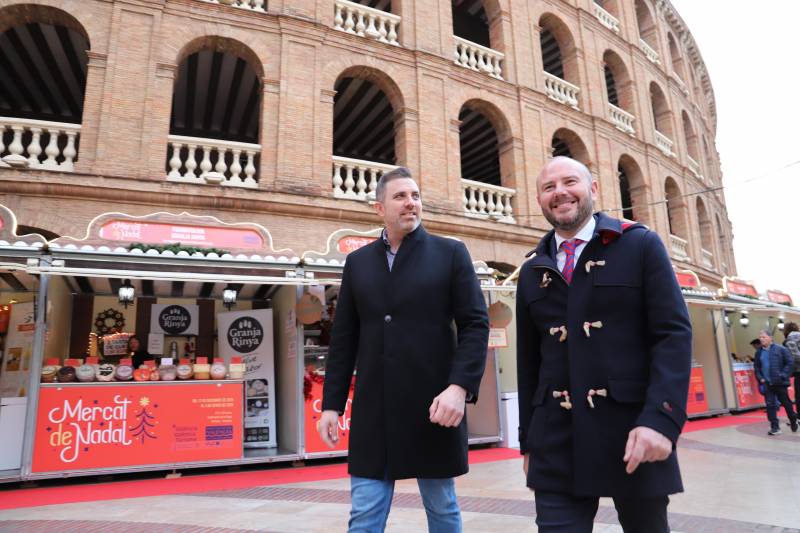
(37,358)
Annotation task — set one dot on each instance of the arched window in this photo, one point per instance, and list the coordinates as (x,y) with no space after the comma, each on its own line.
(364,131)
(486,159)
(43,68)
(475,30)
(706,234)
(216,109)
(691,144)
(559,60)
(662,119)
(633,190)
(567,143)
(676,58)
(677,220)
(480,158)
(619,90)
(647,30)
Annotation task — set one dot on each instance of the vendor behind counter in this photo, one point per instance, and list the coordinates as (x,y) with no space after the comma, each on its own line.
(137,352)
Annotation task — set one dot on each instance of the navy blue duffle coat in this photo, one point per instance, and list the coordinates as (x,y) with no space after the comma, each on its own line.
(619,334)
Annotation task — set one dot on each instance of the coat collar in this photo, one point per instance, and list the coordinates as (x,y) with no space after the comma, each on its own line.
(409,242)
(607,228)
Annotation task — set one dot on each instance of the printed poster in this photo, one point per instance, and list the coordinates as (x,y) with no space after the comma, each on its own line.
(18,349)
(312,391)
(747,394)
(87,427)
(248,334)
(697,401)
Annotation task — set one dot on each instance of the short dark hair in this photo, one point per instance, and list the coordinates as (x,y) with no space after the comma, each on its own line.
(790,327)
(396,174)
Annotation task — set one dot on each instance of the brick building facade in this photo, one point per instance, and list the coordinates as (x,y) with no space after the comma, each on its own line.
(283,113)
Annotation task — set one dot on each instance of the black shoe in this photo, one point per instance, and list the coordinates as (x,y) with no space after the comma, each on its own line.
(774,432)
(793,425)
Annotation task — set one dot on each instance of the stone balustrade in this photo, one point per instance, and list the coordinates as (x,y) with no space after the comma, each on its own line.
(694,167)
(212,161)
(355,179)
(663,143)
(708,259)
(365,21)
(487,201)
(621,119)
(606,19)
(679,247)
(27,143)
(252,5)
(561,91)
(479,58)
(649,52)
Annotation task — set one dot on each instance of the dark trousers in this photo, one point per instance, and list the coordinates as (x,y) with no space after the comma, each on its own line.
(563,513)
(780,393)
(797,392)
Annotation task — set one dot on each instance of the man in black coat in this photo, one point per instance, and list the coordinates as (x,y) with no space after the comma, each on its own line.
(412,317)
(603,363)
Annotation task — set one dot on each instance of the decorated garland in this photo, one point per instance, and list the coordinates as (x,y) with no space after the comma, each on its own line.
(175,248)
(101,321)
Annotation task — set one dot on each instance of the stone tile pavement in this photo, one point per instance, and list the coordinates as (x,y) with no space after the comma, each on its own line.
(737,479)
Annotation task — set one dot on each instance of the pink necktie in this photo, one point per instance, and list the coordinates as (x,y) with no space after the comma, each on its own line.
(569,263)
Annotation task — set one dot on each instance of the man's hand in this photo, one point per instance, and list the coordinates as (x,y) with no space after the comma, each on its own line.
(525,461)
(447,409)
(645,445)
(328,428)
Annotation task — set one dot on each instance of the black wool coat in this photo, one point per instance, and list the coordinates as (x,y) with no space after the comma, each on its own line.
(411,332)
(628,338)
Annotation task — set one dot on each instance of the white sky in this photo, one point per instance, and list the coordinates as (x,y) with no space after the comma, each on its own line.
(751,51)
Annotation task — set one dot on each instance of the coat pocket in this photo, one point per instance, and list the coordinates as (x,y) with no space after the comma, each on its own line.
(538,424)
(620,277)
(627,390)
(539,395)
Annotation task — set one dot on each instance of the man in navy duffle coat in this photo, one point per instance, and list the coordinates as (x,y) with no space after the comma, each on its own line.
(603,363)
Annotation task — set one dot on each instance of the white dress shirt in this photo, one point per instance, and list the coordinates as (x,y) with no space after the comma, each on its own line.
(585,234)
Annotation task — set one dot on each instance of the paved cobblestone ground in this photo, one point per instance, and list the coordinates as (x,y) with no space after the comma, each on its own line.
(737,480)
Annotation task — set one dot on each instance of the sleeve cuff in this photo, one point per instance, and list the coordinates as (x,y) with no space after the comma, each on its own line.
(666,418)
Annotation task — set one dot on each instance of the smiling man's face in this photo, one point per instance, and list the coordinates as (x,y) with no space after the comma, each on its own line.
(401,207)
(566,193)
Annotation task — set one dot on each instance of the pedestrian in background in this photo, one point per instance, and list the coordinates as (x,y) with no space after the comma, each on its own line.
(773,365)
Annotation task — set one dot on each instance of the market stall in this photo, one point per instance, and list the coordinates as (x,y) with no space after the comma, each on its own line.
(18,293)
(745,315)
(318,304)
(212,375)
(707,393)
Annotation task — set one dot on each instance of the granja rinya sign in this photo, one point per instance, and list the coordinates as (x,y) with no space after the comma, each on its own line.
(91,427)
(173,319)
(76,426)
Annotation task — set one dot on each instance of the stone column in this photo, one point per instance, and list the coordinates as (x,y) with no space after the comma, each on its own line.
(269,133)
(324,143)
(156,131)
(92,111)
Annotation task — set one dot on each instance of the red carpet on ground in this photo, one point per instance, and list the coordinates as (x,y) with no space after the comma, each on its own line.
(74,493)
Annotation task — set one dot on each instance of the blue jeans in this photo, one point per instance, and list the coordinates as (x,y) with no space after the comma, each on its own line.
(372,499)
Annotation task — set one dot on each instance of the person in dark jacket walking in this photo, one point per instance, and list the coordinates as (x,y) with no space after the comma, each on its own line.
(412,318)
(773,365)
(603,363)
(792,343)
